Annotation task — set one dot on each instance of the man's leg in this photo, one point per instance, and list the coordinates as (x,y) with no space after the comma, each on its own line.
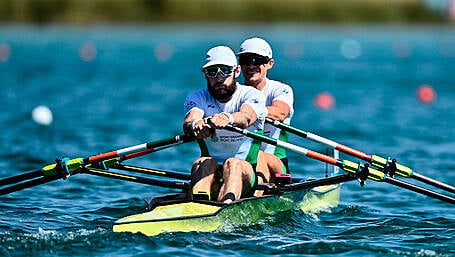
(203,174)
(274,164)
(237,176)
(262,171)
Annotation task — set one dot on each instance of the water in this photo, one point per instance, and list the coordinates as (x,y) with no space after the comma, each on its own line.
(128,86)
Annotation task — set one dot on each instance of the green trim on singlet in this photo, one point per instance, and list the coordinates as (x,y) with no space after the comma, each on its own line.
(285,171)
(246,192)
(279,151)
(252,156)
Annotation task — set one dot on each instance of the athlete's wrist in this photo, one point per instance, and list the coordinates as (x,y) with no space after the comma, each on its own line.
(229,116)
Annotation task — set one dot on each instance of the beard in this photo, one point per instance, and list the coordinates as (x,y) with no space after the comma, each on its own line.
(224,92)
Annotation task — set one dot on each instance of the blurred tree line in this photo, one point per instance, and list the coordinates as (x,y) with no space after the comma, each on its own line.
(91,11)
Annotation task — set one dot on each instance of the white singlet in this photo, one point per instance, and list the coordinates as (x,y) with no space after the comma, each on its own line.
(275,90)
(227,144)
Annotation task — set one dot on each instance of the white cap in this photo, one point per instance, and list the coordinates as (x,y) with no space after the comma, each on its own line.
(221,55)
(256,46)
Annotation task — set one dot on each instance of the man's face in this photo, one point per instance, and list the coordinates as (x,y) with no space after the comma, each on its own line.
(221,81)
(254,68)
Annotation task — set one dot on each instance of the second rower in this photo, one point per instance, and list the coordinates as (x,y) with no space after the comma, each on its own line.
(255,59)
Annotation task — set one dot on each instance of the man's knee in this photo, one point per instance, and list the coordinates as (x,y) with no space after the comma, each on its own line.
(234,167)
(204,165)
(232,164)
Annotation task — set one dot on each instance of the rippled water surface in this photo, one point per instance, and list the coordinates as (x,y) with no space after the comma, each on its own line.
(114,86)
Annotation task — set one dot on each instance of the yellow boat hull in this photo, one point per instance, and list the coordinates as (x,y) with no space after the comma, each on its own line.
(181,215)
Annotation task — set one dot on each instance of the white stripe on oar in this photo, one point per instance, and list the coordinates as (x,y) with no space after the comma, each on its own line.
(292,147)
(132,149)
(322,140)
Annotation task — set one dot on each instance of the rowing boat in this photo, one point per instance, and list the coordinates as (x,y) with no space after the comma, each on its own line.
(175,213)
(179,213)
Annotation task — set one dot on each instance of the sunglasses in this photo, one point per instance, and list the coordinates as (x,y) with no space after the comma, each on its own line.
(212,72)
(255,60)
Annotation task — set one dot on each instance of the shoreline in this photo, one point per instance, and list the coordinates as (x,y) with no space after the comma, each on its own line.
(229,11)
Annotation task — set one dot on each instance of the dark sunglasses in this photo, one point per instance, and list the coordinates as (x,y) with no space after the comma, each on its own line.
(224,71)
(255,60)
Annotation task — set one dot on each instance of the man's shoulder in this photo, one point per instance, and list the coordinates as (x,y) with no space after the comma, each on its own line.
(199,92)
(247,89)
(278,84)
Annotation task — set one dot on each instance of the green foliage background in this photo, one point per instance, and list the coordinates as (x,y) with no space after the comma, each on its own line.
(91,11)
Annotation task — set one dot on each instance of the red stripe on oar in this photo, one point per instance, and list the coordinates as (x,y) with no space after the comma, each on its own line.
(102,157)
(353,152)
(321,157)
(134,155)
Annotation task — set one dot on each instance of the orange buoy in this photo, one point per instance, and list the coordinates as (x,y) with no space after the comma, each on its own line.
(426,94)
(324,101)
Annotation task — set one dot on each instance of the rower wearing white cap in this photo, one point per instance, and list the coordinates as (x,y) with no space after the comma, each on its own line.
(255,59)
(225,170)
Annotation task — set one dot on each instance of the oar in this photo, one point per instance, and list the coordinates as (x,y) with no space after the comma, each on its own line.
(27,184)
(66,167)
(363,172)
(156,172)
(310,183)
(390,167)
(21,177)
(137,179)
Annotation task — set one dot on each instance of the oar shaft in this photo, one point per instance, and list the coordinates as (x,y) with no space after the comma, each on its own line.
(286,145)
(27,184)
(318,139)
(135,149)
(420,190)
(148,181)
(21,177)
(433,182)
(378,161)
(346,165)
(307,152)
(156,172)
(66,167)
